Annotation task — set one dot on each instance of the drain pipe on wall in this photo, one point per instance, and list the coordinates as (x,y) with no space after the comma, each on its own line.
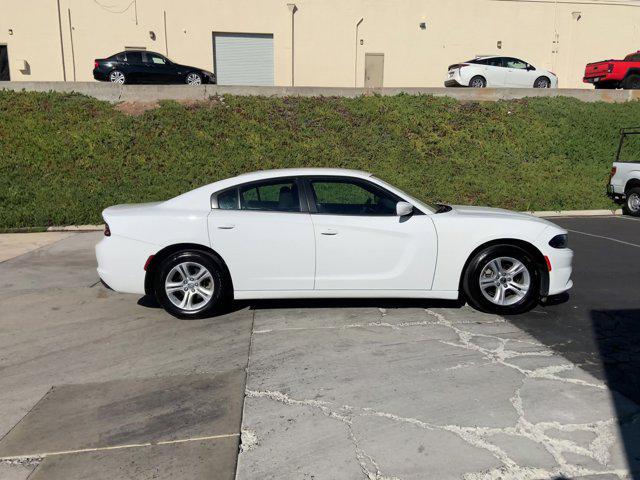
(166,42)
(293,9)
(355,70)
(64,68)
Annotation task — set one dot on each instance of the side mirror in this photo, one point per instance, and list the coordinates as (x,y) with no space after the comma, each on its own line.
(403,209)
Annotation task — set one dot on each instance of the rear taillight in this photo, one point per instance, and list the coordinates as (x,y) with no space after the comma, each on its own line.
(148,262)
(610,68)
(613,171)
(107,230)
(95,64)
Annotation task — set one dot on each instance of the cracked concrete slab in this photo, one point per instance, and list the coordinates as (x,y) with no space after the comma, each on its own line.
(129,412)
(393,381)
(198,460)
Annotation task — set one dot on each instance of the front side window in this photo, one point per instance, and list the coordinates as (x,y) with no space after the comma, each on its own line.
(154,58)
(228,200)
(351,197)
(515,63)
(271,196)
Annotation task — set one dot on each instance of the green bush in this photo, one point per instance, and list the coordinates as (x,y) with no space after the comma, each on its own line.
(64,158)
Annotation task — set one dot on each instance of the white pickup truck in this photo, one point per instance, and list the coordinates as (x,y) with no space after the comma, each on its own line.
(624,184)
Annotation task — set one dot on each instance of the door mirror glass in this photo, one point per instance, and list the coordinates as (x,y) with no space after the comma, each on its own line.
(403,209)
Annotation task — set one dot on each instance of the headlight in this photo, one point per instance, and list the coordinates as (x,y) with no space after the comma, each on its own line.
(560,241)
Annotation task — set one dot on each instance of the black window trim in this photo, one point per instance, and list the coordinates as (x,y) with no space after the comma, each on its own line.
(311,199)
(302,197)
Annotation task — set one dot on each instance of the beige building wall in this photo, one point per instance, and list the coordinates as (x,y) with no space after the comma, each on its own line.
(558,35)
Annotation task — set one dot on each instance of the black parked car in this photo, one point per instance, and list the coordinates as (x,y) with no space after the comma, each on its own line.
(141,66)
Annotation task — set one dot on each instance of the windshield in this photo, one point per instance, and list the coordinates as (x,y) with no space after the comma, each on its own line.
(413,200)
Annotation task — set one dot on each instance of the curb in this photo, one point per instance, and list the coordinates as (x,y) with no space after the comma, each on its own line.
(76,228)
(560,213)
(577,213)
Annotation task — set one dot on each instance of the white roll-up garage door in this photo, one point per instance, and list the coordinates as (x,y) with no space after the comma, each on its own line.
(243,58)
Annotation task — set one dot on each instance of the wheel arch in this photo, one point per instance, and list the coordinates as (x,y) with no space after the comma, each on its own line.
(160,256)
(632,183)
(541,263)
(631,71)
(543,76)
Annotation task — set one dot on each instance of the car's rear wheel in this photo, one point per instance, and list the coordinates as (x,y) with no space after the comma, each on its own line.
(502,279)
(632,82)
(478,82)
(118,77)
(191,284)
(542,82)
(632,204)
(194,79)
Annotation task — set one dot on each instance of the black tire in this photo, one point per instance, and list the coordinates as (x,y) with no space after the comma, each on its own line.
(220,286)
(542,82)
(478,82)
(476,268)
(118,77)
(632,82)
(631,205)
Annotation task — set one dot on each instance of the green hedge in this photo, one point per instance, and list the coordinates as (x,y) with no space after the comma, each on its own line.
(63,158)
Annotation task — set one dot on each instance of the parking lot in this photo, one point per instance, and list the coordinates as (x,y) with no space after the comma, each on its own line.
(100,385)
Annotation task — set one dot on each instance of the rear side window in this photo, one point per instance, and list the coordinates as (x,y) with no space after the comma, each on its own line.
(271,196)
(351,197)
(494,62)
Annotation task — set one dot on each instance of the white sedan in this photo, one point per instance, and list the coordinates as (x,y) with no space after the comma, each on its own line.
(484,72)
(327,233)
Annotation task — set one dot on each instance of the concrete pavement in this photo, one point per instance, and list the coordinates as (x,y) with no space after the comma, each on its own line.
(95,384)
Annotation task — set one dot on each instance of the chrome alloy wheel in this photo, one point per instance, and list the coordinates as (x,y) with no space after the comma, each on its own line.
(477,83)
(189,286)
(505,281)
(542,83)
(633,202)
(116,77)
(194,79)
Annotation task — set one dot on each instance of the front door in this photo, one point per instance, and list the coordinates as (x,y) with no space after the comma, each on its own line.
(361,244)
(373,70)
(4,64)
(264,236)
(517,73)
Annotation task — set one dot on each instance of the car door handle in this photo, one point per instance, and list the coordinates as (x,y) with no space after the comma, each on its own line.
(227,226)
(329,232)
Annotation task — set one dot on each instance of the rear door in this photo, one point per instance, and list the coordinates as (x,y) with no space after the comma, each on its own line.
(493,71)
(361,244)
(264,234)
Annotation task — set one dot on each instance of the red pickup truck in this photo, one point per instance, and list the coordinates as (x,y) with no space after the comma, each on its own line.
(615,73)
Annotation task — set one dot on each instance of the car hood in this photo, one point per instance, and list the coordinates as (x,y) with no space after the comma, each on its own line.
(489,212)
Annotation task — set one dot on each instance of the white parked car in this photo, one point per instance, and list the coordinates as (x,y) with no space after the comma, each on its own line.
(327,233)
(484,72)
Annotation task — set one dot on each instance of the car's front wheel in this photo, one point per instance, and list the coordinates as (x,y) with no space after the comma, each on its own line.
(632,203)
(194,79)
(542,82)
(191,284)
(502,279)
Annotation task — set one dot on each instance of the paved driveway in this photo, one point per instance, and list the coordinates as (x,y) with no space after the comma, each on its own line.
(99,385)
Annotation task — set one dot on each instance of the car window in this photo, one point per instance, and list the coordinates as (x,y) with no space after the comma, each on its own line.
(120,57)
(228,200)
(352,197)
(153,58)
(271,196)
(493,62)
(134,57)
(515,63)
(633,57)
